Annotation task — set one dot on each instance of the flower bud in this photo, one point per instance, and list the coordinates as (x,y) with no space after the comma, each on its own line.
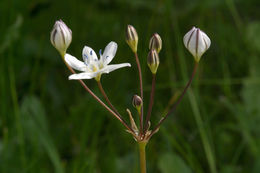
(137,102)
(155,42)
(132,38)
(197,42)
(153,60)
(61,37)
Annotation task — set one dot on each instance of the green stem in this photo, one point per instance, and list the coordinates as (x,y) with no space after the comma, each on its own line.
(141,90)
(149,112)
(142,145)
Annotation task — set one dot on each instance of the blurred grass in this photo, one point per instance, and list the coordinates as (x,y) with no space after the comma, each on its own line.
(49,124)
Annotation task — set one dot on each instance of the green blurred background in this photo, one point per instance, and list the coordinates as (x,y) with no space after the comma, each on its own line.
(50,124)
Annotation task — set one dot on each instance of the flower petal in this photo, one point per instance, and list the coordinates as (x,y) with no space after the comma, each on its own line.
(113,67)
(206,40)
(89,55)
(82,76)
(192,44)
(75,63)
(187,37)
(109,53)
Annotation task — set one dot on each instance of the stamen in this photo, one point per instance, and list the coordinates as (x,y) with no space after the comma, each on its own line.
(90,52)
(94,68)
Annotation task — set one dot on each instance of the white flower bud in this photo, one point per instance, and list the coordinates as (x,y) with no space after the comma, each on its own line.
(61,37)
(132,38)
(155,42)
(197,42)
(153,61)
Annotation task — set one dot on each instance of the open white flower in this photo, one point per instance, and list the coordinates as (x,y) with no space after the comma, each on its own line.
(92,67)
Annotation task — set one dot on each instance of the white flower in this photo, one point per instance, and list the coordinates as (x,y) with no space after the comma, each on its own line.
(92,67)
(61,36)
(197,42)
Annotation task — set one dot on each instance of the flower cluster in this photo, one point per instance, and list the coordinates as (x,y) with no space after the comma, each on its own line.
(196,41)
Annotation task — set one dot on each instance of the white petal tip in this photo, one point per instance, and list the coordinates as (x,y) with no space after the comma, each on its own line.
(70,78)
(73,77)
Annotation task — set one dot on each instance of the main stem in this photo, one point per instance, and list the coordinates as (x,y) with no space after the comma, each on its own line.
(179,99)
(142,145)
(141,90)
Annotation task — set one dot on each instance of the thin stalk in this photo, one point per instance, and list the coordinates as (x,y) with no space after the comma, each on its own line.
(141,90)
(149,112)
(142,145)
(100,101)
(179,99)
(107,99)
(109,102)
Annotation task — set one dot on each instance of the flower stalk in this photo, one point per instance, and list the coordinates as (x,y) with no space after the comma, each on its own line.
(179,99)
(141,90)
(107,99)
(149,112)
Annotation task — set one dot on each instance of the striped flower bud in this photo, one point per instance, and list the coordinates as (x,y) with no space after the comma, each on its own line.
(132,38)
(137,102)
(61,37)
(155,42)
(153,61)
(197,42)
